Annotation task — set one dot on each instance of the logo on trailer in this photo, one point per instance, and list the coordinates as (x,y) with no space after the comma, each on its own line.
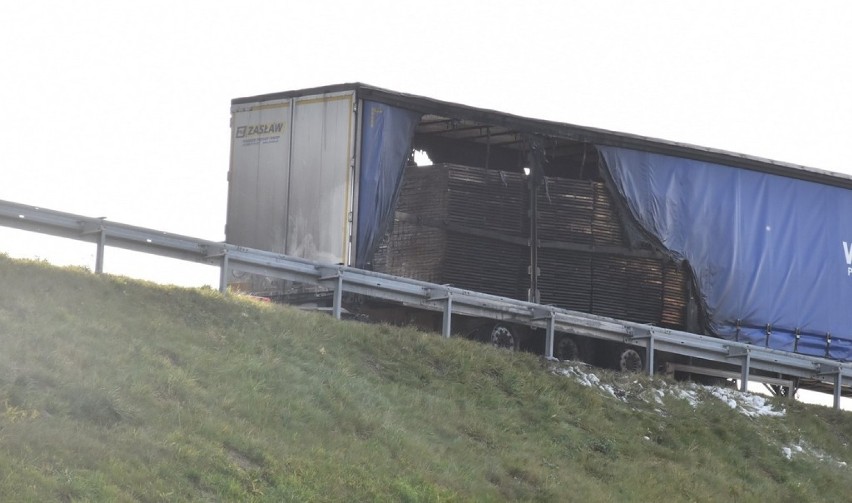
(847,250)
(259,130)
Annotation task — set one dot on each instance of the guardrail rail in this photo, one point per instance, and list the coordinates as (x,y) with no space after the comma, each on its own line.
(423,295)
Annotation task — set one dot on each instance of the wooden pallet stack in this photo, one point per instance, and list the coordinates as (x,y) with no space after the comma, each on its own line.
(468,227)
(566,209)
(627,287)
(674,296)
(606,226)
(461,226)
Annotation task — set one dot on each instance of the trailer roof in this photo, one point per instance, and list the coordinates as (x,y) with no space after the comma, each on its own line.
(509,125)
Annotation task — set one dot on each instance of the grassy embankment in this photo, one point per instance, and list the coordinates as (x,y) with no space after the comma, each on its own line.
(117,390)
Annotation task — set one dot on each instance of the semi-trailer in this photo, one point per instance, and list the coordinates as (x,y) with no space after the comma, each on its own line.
(597,221)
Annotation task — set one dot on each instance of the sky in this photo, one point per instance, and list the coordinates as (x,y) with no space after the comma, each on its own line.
(121,109)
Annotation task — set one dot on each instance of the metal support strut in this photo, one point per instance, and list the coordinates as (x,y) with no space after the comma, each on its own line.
(550,317)
(551,327)
(837,372)
(445,295)
(327,274)
(220,252)
(746,365)
(99,258)
(446,325)
(838,380)
(337,301)
(745,354)
(224,272)
(650,356)
(97,227)
(636,334)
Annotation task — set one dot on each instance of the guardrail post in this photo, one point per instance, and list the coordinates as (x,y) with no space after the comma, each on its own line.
(327,273)
(550,334)
(446,325)
(89,228)
(745,354)
(337,300)
(837,372)
(650,356)
(838,381)
(224,272)
(447,296)
(220,252)
(551,328)
(649,346)
(745,372)
(99,257)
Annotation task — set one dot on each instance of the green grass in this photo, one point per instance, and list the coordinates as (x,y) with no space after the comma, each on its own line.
(119,390)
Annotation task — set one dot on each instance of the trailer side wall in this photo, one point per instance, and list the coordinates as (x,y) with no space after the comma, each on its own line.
(772,256)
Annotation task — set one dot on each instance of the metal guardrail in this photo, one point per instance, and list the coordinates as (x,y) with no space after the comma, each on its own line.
(423,295)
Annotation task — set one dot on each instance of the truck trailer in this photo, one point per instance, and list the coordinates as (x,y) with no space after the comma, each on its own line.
(596,221)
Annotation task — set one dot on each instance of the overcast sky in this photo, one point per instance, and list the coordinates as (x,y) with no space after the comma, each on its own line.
(121,109)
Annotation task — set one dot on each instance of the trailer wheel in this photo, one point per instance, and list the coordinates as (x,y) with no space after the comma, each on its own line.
(503,336)
(567,349)
(629,359)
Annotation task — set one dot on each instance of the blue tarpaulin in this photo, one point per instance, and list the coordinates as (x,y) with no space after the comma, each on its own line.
(771,255)
(386,134)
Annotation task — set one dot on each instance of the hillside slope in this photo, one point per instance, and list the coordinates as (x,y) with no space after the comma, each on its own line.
(118,390)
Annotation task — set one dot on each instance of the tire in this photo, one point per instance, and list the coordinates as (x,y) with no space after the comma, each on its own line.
(504,336)
(567,349)
(629,359)
(778,390)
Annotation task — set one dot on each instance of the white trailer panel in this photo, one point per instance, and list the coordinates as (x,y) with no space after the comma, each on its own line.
(258,181)
(321,171)
(291,176)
